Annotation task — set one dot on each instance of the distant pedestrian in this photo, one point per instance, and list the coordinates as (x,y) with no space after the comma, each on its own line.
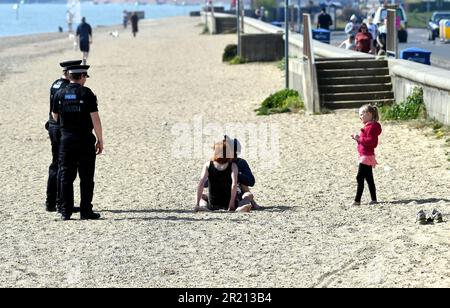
(367,141)
(324,21)
(352,27)
(134,23)
(125,19)
(84,36)
(373,30)
(69,20)
(364,40)
(349,43)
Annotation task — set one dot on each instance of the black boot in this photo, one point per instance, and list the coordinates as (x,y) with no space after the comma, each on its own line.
(90,216)
(50,207)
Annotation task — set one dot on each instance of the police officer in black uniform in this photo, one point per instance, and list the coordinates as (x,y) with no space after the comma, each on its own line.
(53,202)
(75,107)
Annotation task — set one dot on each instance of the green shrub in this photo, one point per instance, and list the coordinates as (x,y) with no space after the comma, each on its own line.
(412,108)
(283,101)
(229,53)
(205,29)
(238,60)
(282,64)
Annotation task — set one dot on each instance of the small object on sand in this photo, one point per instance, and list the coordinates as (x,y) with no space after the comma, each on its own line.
(114,33)
(421,218)
(436,216)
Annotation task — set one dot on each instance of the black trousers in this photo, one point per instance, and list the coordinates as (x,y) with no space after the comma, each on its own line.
(77,153)
(365,173)
(52,183)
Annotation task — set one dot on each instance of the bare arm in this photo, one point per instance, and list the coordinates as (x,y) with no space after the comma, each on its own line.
(234,178)
(201,185)
(98,131)
(55,116)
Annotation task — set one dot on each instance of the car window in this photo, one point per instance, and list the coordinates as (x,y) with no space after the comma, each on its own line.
(383,14)
(439,17)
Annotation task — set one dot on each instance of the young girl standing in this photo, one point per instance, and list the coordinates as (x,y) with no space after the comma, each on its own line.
(367,141)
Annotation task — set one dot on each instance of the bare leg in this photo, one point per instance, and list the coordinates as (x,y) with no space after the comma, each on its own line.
(251,197)
(85,57)
(246,204)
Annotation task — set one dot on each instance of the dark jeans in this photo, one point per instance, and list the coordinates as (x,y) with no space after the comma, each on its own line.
(77,153)
(365,173)
(52,183)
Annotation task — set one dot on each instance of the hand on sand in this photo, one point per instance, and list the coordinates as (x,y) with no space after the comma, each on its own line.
(200,209)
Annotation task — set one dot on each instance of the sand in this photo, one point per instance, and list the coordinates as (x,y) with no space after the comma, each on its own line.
(160,97)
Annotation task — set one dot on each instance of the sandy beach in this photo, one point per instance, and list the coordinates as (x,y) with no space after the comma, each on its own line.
(163,97)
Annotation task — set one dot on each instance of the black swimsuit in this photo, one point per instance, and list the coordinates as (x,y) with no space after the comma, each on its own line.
(220,183)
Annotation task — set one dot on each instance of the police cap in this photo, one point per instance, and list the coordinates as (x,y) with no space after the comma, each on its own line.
(66,64)
(78,69)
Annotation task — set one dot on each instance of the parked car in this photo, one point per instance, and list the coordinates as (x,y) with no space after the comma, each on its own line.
(381,15)
(401,22)
(433,24)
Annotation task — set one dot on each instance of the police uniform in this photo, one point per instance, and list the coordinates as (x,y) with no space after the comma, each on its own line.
(54,133)
(74,105)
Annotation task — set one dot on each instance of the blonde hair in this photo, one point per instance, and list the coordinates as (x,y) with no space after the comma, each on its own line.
(373,110)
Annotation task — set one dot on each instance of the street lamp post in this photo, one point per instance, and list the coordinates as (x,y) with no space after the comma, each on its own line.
(238,26)
(286,41)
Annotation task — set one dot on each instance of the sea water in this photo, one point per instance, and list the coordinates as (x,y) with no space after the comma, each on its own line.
(44,18)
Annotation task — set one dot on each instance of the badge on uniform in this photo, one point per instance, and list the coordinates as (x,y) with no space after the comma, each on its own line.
(57,85)
(70,96)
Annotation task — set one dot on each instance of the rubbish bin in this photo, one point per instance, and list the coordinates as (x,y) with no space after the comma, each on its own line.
(416,55)
(321,35)
(444,30)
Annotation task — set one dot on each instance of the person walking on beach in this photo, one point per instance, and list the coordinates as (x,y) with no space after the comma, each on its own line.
(69,20)
(75,107)
(84,36)
(367,141)
(125,19)
(325,20)
(52,202)
(222,175)
(134,23)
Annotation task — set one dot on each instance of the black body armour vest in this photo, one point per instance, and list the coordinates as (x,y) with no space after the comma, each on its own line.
(74,111)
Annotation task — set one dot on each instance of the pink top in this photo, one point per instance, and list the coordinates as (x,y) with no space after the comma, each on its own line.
(368,160)
(367,142)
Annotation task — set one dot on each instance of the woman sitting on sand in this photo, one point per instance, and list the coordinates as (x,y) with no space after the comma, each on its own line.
(222,175)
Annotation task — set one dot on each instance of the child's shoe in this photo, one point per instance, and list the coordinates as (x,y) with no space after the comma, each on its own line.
(437,216)
(421,218)
(355,203)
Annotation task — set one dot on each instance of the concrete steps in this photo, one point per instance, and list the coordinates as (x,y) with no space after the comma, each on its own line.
(351,83)
(377,87)
(356,104)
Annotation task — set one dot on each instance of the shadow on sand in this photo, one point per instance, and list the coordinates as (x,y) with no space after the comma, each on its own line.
(418,201)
